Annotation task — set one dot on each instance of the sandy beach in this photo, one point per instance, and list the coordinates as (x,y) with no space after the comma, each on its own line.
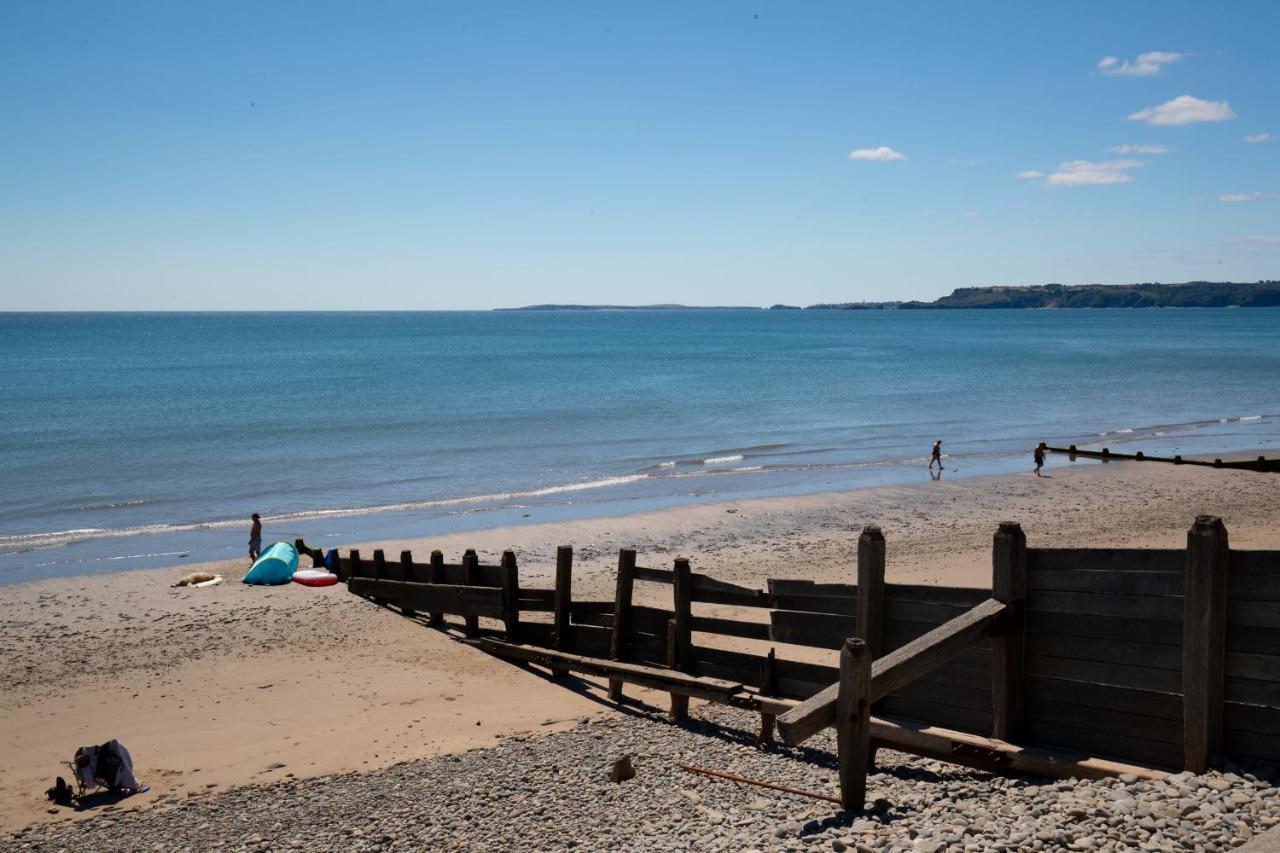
(234,685)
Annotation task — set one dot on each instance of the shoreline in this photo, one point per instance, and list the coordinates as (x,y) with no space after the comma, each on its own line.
(211,687)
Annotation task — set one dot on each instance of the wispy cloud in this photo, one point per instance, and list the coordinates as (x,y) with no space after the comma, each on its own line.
(1139,149)
(1028,175)
(1258,137)
(1077,173)
(884,154)
(1262,240)
(1184,109)
(1146,65)
(1239,197)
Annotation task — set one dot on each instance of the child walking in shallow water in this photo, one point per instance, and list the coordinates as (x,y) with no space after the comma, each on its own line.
(937,455)
(1039,456)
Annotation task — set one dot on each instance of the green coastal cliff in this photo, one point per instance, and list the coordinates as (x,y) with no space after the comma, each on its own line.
(1194,294)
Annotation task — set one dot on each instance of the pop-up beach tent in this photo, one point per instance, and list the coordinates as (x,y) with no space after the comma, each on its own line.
(276,565)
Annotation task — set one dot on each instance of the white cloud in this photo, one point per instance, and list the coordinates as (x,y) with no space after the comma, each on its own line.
(1075,173)
(1184,109)
(1140,149)
(1238,197)
(1258,137)
(1029,174)
(884,154)
(1146,65)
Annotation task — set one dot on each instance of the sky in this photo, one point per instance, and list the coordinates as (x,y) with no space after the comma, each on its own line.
(264,156)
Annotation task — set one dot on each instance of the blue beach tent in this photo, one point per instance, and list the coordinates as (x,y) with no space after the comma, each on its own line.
(276,565)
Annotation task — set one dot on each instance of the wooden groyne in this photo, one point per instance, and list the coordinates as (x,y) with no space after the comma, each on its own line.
(1262,463)
(1076,662)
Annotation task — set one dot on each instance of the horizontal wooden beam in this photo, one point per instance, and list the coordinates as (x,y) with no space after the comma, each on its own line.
(896,669)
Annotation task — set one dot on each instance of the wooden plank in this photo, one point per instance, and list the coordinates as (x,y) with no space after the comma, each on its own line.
(538,600)
(1204,642)
(846,605)
(1134,606)
(1253,563)
(1260,614)
(934,713)
(653,575)
(652,620)
(446,598)
(896,668)
(1094,672)
(958,597)
(994,755)
(722,663)
(1107,582)
(1253,587)
(781,586)
(584,609)
(927,688)
(1104,744)
(538,633)
(711,591)
(1250,691)
(927,612)
(591,641)
(731,627)
(563,599)
(648,648)
(1110,720)
(1008,647)
(1167,706)
(1154,655)
(1252,745)
(1258,667)
(1250,639)
(1105,559)
(481,575)
(649,676)
(820,630)
(1252,718)
(853,723)
(1165,631)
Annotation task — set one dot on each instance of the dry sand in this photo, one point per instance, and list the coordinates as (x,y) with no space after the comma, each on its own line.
(232,684)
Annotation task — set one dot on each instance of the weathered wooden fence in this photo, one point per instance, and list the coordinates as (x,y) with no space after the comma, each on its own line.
(1106,454)
(1083,657)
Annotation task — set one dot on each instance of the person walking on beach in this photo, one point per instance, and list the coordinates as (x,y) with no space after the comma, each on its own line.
(255,539)
(937,456)
(1039,456)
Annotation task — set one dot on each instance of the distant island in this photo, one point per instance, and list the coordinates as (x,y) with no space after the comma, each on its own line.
(1192,294)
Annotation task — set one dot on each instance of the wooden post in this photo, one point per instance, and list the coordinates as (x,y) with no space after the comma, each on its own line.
(435,575)
(768,687)
(406,573)
(681,636)
(379,573)
(357,570)
(679,702)
(510,579)
(471,577)
(1008,586)
(560,638)
(1204,631)
(853,722)
(622,615)
(869,623)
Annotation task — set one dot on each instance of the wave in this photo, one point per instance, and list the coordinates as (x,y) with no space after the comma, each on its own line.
(717,460)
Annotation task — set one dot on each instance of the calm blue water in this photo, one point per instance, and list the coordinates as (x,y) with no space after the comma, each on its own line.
(127,439)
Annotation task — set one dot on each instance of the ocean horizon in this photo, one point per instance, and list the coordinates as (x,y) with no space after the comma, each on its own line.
(142,439)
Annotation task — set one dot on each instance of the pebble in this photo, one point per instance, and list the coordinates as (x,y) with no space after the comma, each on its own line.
(548,793)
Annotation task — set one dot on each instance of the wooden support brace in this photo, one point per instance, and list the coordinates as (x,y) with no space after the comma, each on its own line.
(1009,586)
(510,581)
(853,722)
(622,615)
(560,637)
(1204,631)
(471,576)
(406,572)
(435,574)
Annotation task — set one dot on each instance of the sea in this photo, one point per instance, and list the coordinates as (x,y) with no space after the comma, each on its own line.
(133,440)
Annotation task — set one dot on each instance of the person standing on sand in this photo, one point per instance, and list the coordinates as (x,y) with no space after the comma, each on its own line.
(1039,456)
(937,455)
(255,539)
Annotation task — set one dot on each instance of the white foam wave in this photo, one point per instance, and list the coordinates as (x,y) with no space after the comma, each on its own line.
(720,460)
(1251,418)
(670,464)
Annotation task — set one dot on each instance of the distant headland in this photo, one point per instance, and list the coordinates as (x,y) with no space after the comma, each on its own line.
(1192,294)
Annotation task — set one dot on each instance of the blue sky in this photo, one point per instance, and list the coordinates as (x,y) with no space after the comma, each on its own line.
(386,155)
